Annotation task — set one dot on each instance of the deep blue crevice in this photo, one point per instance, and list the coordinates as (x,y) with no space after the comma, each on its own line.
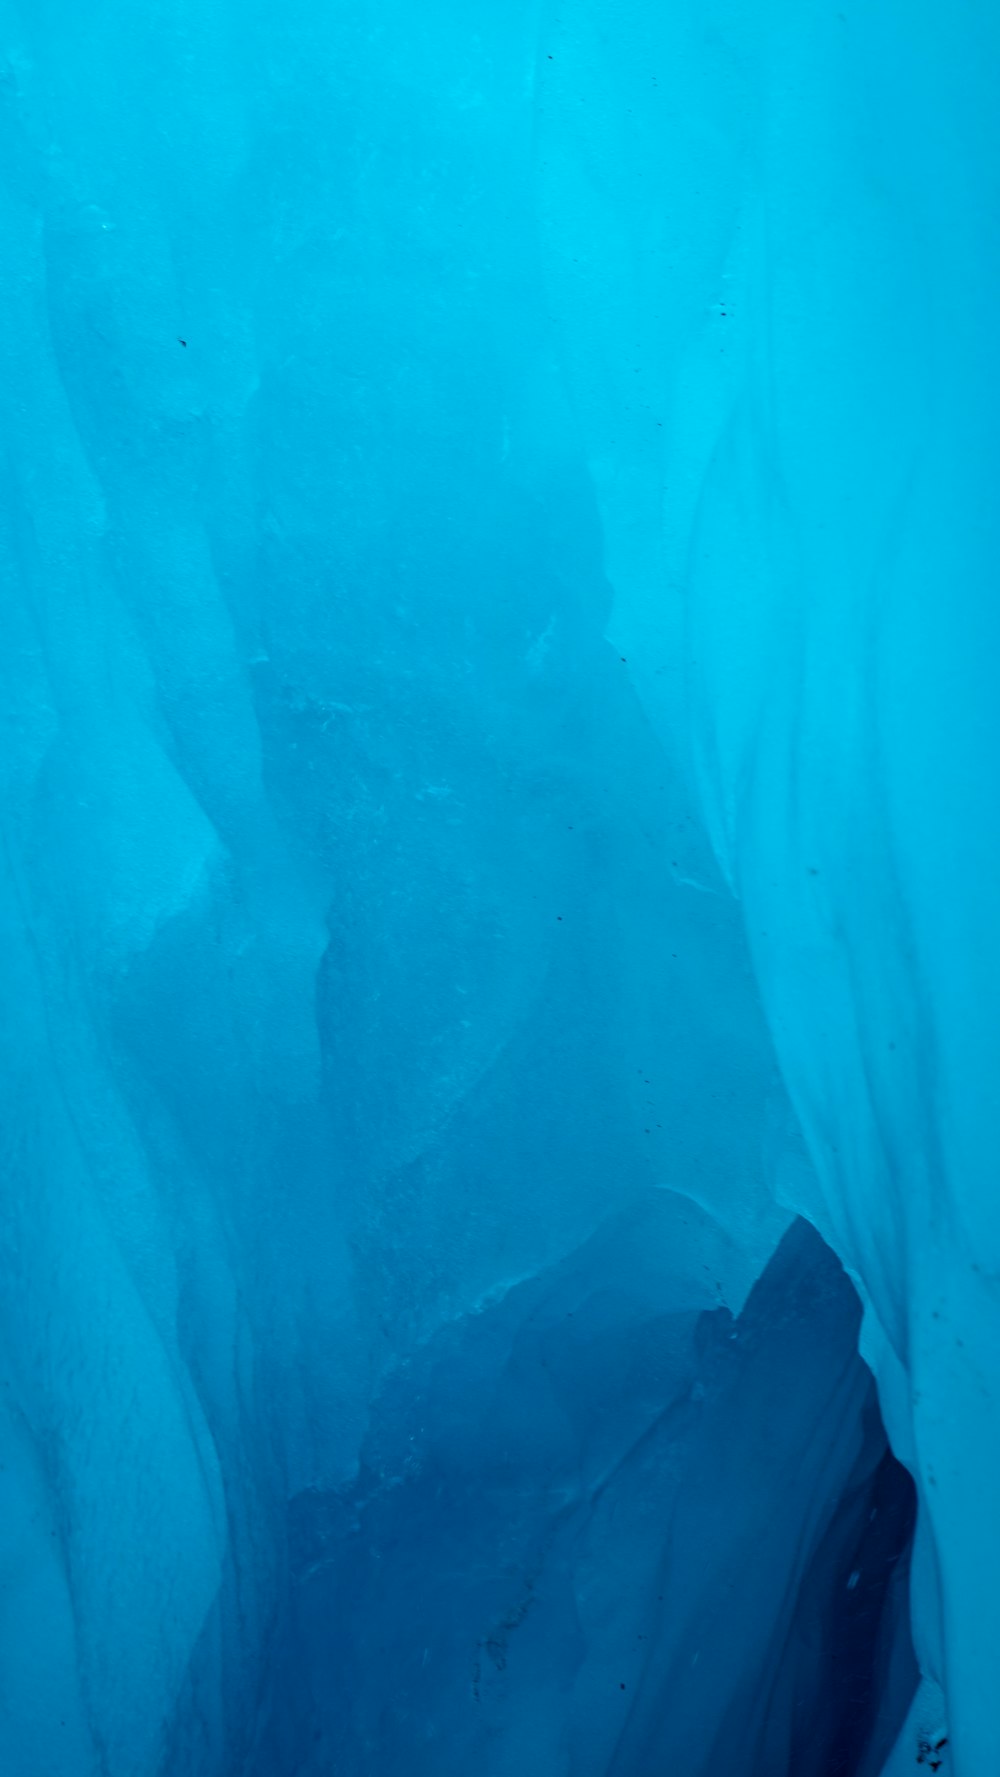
(584,1530)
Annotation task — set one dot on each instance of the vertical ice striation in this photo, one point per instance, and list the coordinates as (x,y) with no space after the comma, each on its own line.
(811,443)
(499,742)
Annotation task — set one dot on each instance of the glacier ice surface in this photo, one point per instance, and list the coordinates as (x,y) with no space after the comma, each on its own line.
(499,857)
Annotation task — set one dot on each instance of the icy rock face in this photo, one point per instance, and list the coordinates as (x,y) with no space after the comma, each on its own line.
(380,1033)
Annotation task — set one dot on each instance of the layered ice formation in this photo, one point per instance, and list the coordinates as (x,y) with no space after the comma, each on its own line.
(500,1261)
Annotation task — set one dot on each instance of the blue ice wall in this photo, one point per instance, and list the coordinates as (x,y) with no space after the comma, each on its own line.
(801,528)
(563,1550)
(497,822)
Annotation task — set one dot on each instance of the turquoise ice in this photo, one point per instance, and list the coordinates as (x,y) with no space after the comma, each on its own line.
(500,646)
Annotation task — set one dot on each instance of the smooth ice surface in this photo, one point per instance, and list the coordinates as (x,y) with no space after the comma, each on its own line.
(575,1493)
(498,807)
(814,585)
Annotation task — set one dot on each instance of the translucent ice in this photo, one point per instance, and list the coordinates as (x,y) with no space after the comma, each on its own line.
(498,777)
